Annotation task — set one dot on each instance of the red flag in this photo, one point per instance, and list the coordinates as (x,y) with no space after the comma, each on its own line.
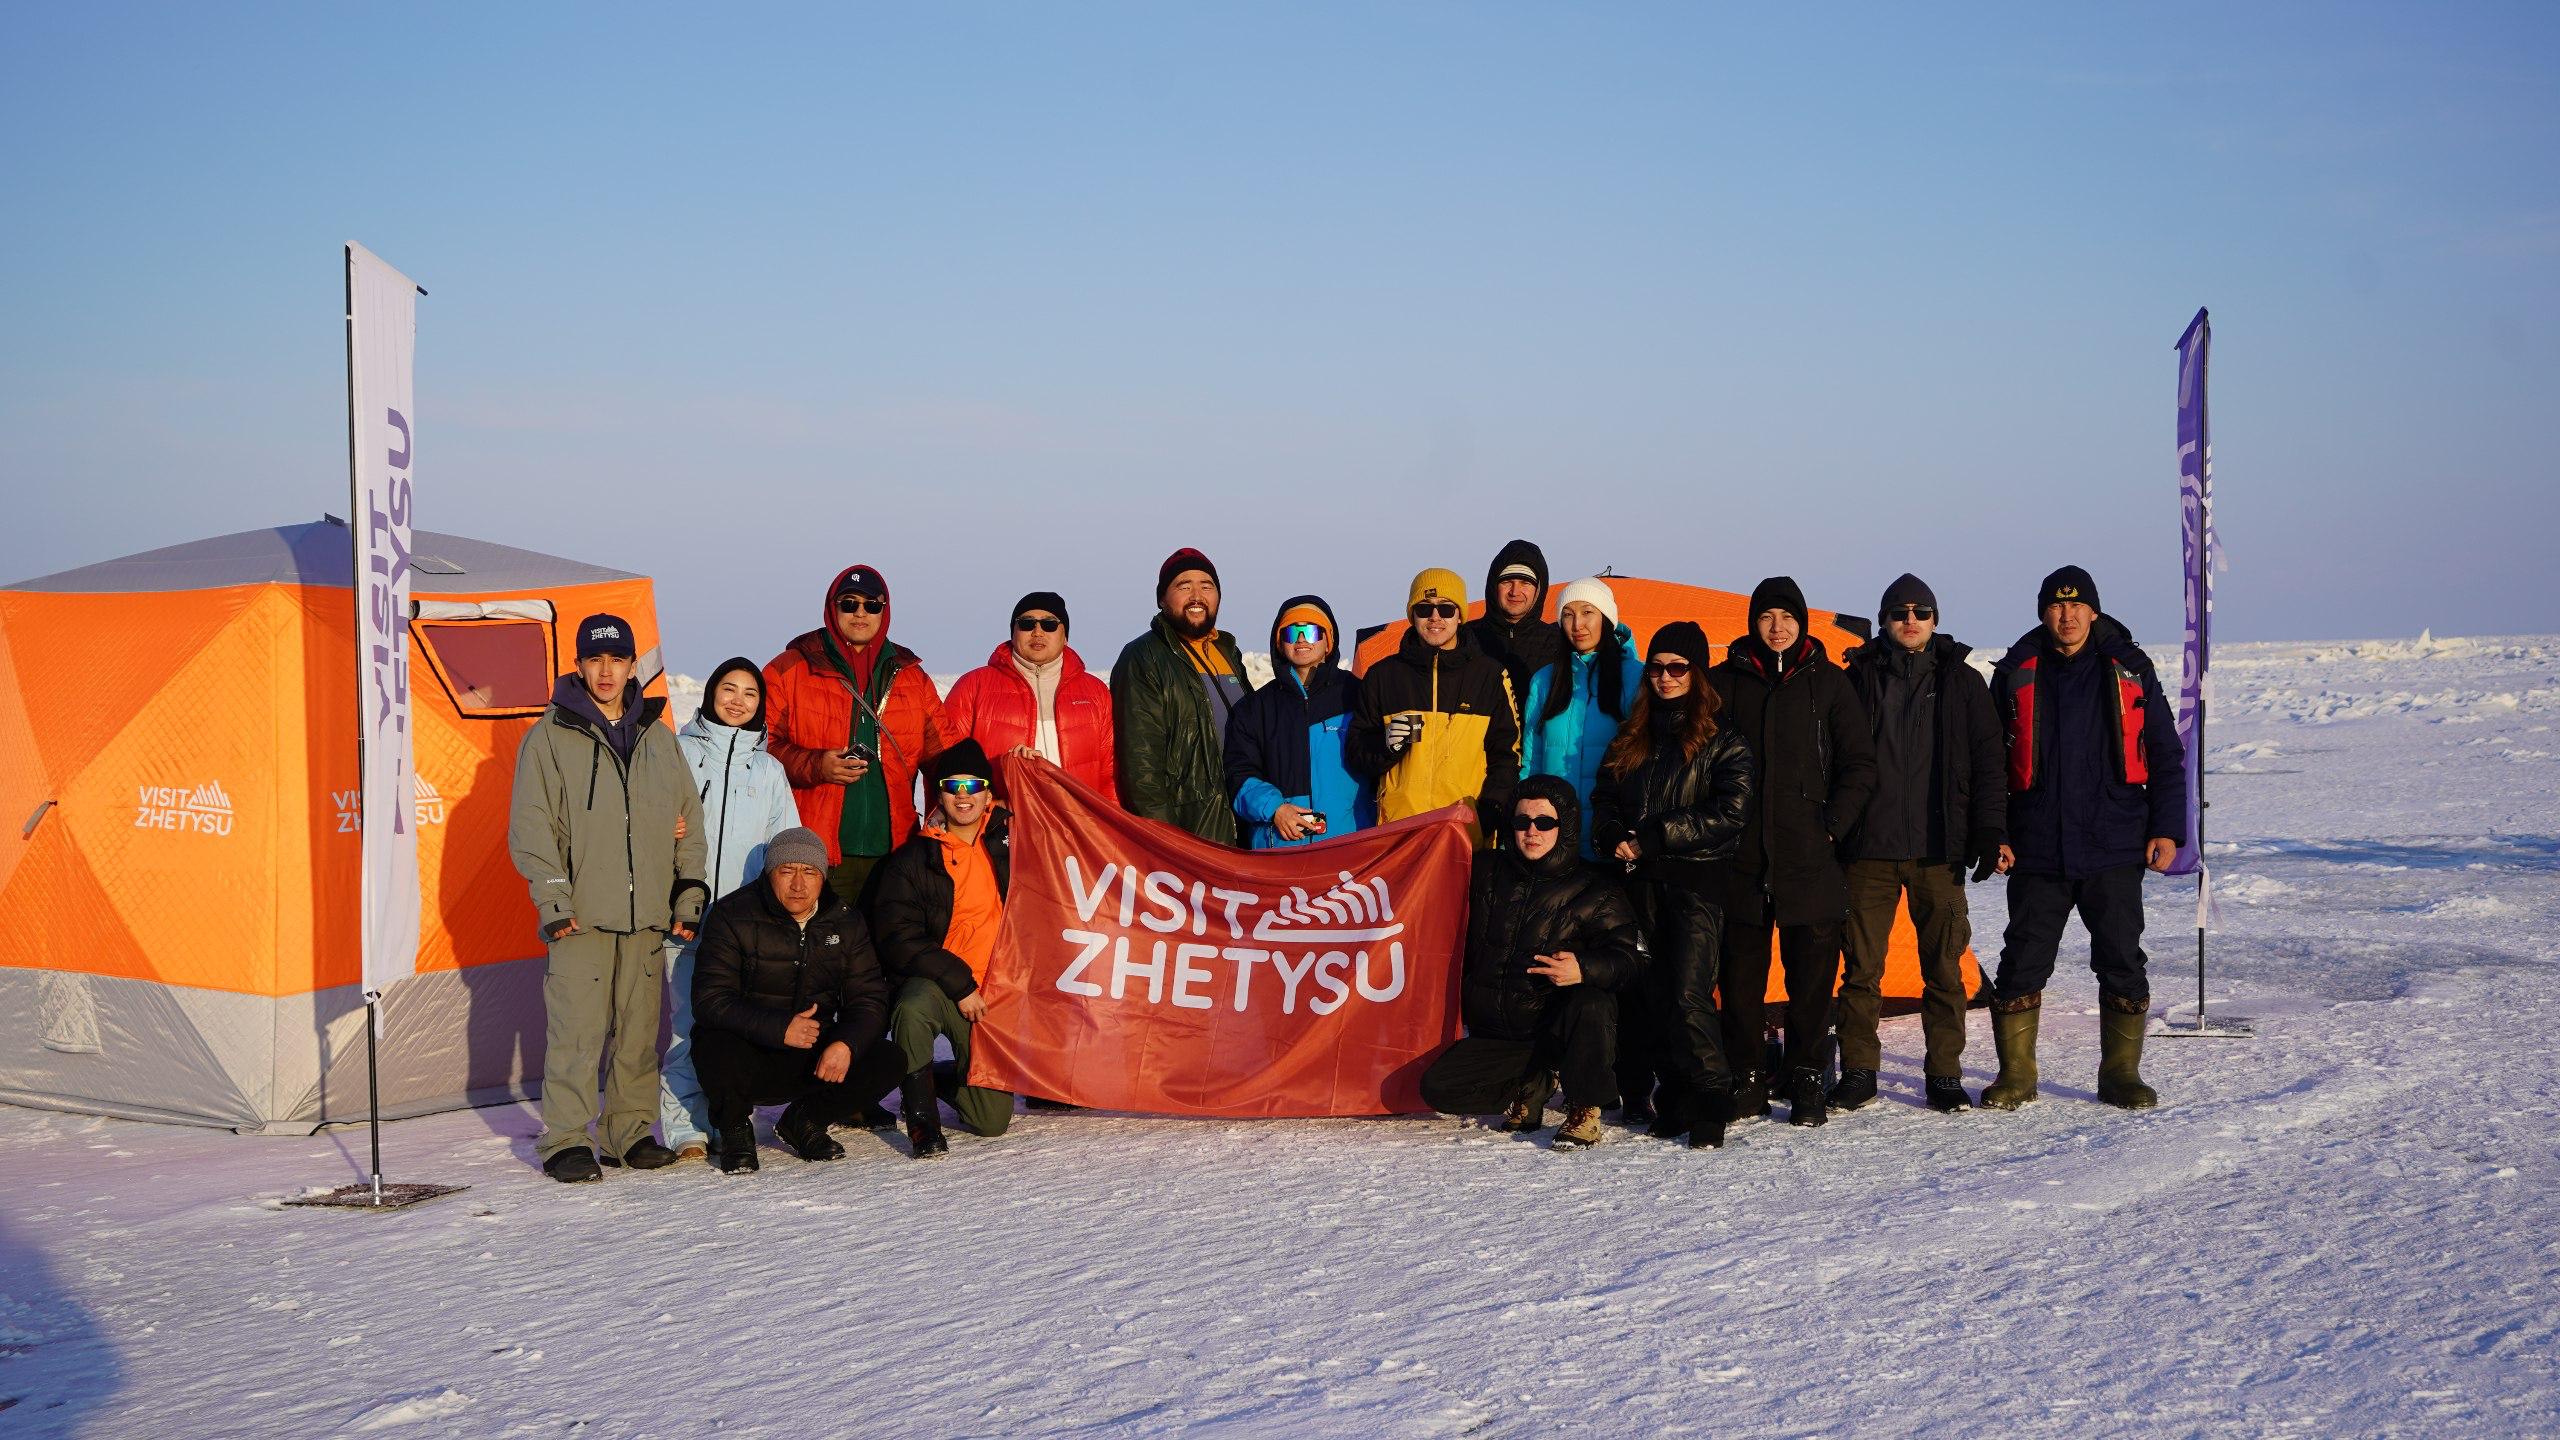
(1143,968)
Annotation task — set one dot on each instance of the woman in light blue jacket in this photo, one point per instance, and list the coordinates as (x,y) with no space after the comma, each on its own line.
(1573,707)
(746,801)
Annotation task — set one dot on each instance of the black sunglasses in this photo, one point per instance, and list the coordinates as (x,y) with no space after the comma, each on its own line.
(1540,823)
(1435,610)
(1673,669)
(848,604)
(1912,612)
(1027,623)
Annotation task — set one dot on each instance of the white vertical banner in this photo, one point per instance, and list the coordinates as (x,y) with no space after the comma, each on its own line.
(382,332)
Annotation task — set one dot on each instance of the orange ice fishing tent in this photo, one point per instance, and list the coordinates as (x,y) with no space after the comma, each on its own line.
(1645,606)
(178,831)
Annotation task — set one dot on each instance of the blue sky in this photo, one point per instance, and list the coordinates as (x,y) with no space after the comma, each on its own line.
(1005,298)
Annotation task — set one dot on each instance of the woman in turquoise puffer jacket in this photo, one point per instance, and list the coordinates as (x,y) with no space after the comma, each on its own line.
(1574,706)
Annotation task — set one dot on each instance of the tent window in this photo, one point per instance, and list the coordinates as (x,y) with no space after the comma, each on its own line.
(491,669)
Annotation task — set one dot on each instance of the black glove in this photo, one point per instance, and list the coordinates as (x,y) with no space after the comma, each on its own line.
(1982,851)
(557,928)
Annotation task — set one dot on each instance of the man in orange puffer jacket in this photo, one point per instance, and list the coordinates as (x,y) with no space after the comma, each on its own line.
(1034,698)
(852,717)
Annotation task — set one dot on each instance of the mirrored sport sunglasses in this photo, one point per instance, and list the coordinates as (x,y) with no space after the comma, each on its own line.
(1672,669)
(963,785)
(1539,823)
(1028,623)
(1912,612)
(1302,633)
(848,604)
(1435,610)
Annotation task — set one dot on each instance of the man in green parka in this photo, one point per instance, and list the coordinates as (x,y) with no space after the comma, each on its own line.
(1172,690)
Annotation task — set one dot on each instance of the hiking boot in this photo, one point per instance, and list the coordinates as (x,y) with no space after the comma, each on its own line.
(738,1149)
(806,1136)
(2013,1035)
(2120,1055)
(1581,1127)
(1750,1095)
(1806,1104)
(1714,1108)
(1856,1090)
(573,1166)
(1947,1095)
(1528,1108)
(644,1154)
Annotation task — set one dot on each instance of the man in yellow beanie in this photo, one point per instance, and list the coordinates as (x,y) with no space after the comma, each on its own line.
(1436,724)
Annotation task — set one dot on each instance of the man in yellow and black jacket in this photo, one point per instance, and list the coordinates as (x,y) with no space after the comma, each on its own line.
(1436,723)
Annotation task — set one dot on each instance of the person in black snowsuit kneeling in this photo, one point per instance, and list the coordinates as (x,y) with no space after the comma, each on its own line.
(1669,809)
(1550,943)
(789,1005)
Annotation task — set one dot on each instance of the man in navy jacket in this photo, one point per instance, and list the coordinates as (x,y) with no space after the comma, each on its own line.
(2097,793)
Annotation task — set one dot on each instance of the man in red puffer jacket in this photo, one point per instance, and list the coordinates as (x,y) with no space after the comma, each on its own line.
(852,717)
(1034,697)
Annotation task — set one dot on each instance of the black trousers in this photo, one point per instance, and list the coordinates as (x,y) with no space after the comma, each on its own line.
(1810,956)
(1683,1035)
(738,1074)
(1577,1037)
(2110,906)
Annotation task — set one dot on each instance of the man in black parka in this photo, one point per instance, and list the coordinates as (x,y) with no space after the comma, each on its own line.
(1514,627)
(1940,806)
(1817,772)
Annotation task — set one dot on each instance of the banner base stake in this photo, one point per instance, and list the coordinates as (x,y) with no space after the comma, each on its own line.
(374,1195)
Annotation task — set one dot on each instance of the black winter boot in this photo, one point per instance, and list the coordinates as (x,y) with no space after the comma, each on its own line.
(923,1115)
(738,1149)
(1672,1112)
(1947,1095)
(1806,1104)
(573,1166)
(807,1137)
(1856,1090)
(1750,1095)
(1715,1108)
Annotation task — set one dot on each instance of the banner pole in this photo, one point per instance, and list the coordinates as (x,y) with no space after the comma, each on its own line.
(373,1086)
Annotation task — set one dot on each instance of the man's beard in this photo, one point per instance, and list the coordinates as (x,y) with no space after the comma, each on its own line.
(1183,626)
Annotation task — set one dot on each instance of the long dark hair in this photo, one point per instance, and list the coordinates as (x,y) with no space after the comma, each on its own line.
(1608,667)
(1634,744)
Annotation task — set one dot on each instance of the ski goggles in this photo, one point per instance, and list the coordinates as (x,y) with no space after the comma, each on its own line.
(850,604)
(1435,610)
(1540,823)
(962,785)
(1668,669)
(1302,633)
(1912,612)
(1028,623)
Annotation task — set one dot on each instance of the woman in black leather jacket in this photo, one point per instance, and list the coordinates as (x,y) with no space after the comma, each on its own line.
(1668,810)
(1551,944)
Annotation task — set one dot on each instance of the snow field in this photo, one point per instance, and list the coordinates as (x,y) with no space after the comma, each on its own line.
(2344,1226)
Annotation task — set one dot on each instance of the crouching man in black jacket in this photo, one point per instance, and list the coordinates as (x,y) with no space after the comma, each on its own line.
(789,1005)
(1550,942)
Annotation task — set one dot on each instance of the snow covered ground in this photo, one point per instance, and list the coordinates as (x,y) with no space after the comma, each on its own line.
(2345,1226)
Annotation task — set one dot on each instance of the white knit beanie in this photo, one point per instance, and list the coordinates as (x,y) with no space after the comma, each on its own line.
(1594,592)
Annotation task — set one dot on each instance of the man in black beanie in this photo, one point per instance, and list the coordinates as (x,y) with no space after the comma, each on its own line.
(1940,805)
(2097,792)
(1172,690)
(1034,699)
(1816,754)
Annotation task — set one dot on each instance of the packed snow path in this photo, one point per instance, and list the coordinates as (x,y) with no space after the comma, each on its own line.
(2345,1226)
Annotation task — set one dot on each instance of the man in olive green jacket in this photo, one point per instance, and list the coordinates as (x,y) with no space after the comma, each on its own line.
(606,828)
(1172,690)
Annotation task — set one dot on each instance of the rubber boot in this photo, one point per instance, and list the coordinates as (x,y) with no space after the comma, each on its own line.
(2120,1055)
(2013,1035)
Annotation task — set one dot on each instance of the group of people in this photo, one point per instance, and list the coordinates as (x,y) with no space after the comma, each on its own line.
(1648,825)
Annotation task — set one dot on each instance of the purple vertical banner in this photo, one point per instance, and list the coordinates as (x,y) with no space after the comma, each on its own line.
(2195,538)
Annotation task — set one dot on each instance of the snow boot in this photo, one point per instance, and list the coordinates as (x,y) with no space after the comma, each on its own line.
(1581,1127)
(1946,1094)
(1856,1090)
(1637,1111)
(1750,1095)
(645,1154)
(2120,1054)
(573,1166)
(806,1136)
(2013,1034)
(1806,1104)
(1528,1108)
(1714,1108)
(923,1116)
(1673,1112)
(876,1116)
(738,1149)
